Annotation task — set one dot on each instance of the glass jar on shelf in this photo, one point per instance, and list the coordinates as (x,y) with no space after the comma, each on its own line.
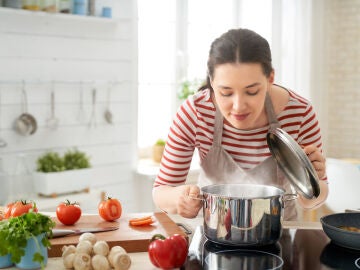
(31,5)
(13,3)
(49,5)
(65,6)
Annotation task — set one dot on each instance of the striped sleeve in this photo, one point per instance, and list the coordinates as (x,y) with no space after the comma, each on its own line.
(179,147)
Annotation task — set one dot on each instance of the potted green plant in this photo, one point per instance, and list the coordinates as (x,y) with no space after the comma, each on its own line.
(57,174)
(158,149)
(189,87)
(24,240)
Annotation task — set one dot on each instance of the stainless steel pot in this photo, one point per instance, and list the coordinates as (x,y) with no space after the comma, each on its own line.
(243,214)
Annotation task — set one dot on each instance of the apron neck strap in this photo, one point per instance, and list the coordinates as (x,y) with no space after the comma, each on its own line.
(219,125)
(269,109)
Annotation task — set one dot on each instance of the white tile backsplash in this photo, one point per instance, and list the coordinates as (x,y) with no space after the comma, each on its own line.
(40,48)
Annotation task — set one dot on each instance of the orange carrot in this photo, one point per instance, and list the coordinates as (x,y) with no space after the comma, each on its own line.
(140,218)
(141,221)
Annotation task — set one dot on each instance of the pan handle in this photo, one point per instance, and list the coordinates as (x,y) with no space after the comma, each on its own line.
(186,229)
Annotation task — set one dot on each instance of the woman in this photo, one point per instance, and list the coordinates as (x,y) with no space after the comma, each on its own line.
(228,121)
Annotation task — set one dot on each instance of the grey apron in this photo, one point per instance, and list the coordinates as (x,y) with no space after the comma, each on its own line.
(218,167)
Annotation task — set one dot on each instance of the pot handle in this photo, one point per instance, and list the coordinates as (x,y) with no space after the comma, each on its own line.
(288,197)
(201,198)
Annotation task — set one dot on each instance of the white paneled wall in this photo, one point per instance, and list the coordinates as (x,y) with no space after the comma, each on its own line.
(342,39)
(72,55)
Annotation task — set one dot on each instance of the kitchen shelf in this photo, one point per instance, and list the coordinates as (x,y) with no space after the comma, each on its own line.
(58,16)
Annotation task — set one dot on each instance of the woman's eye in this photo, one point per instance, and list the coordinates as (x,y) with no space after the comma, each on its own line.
(225,94)
(252,93)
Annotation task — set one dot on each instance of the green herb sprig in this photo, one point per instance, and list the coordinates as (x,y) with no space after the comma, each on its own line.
(75,159)
(16,231)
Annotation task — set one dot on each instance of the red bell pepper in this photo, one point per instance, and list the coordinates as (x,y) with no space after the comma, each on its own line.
(168,253)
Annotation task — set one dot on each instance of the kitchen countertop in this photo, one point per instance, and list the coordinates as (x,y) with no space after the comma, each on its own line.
(140,260)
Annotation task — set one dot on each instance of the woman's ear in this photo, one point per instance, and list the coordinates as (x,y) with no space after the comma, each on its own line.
(272,77)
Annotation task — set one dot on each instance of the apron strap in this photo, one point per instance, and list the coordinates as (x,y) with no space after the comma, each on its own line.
(218,127)
(269,108)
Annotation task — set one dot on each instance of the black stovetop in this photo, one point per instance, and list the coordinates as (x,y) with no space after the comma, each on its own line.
(296,250)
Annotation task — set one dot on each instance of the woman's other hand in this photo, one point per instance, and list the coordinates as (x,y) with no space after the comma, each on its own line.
(189,202)
(317,160)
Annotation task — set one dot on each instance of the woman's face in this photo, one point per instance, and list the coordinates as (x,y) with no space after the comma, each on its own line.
(240,90)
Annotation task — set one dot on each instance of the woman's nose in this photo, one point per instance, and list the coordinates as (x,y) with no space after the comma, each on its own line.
(239,103)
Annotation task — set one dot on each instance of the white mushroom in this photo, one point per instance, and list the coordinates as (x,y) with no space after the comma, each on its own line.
(66,250)
(101,248)
(82,261)
(89,237)
(119,259)
(100,262)
(84,246)
(68,260)
(113,251)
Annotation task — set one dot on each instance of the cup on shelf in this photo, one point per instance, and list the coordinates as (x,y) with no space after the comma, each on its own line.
(106,12)
(80,7)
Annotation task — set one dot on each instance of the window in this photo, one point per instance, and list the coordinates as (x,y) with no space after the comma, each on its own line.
(174,40)
(156,30)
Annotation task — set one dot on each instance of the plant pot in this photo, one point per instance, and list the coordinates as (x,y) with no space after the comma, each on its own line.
(157,152)
(55,183)
(33,246)
(5,261)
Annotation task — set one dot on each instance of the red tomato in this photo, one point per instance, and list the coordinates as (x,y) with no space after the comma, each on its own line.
(68,213)
(168,253)
(7,212)
(110,209)
(22,207)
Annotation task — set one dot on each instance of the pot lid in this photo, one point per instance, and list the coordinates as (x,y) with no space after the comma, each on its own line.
(294,163)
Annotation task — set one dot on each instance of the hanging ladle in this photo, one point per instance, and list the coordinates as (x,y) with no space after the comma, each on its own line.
(92,123)
(26,123)
(108,114)
(81,114)
(53,121)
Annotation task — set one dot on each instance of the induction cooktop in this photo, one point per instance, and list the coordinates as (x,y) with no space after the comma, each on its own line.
(295,250)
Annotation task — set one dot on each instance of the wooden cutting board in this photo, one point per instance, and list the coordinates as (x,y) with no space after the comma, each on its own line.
(131,238)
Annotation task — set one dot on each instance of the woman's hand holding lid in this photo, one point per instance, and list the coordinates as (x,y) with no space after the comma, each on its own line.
(317,159)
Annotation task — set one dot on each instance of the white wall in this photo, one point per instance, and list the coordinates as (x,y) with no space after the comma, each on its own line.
(69,49)
(342,55)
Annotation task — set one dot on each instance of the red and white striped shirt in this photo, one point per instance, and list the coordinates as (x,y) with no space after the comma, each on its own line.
(193,127)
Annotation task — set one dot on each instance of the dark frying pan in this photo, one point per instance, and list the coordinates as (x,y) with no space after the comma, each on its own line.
(339,236)
(337,257)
